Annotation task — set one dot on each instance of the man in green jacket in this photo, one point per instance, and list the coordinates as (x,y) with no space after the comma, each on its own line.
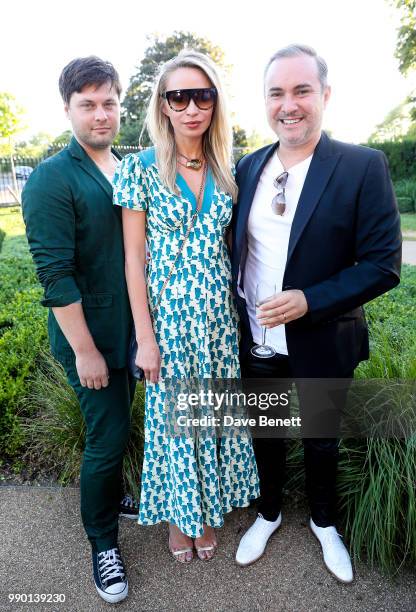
(76,240)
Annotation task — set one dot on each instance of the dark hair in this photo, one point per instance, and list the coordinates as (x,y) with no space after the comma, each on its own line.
(85,71)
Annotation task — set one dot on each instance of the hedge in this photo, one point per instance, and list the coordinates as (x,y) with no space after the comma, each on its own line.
(22,327)
(401,157)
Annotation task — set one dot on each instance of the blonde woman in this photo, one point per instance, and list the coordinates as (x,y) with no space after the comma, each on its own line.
(178,198)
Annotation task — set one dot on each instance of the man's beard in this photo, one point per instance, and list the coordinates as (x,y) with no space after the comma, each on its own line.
(102,142)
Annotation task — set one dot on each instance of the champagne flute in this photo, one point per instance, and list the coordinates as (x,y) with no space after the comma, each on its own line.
(264,293)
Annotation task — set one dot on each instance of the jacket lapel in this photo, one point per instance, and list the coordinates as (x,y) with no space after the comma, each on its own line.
(87,164)
(248,186)
(322,166)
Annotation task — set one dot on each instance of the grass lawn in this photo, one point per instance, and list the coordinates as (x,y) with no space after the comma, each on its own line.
(408,222)
(11,223)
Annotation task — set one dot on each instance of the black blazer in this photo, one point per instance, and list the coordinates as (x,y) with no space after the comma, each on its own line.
(344,250)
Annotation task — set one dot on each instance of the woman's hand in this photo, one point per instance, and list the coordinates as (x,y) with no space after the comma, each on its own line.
(148,358)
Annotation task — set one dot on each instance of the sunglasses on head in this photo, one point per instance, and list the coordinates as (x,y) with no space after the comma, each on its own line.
(179,99)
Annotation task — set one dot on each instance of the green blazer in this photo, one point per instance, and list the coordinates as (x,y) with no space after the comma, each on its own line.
(76,240)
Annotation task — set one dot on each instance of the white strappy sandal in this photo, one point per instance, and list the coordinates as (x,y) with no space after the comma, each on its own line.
(176,553)
(183,551)
(200,549)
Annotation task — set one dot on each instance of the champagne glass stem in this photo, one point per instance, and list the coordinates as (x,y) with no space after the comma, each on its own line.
(263,335)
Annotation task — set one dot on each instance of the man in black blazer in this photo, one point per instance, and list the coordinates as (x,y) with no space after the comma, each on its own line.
(76,239)
(316,218)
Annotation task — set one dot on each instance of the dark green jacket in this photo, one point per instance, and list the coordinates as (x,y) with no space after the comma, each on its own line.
(75,237)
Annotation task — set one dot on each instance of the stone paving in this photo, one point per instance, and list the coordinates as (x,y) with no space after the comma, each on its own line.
(44,550)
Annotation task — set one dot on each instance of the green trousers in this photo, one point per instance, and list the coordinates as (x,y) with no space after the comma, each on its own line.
(107,418)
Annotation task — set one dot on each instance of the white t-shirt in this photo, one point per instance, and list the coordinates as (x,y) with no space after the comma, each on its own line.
(268,240)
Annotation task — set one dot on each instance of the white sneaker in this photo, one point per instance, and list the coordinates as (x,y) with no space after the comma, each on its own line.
(253,542)
(336,556)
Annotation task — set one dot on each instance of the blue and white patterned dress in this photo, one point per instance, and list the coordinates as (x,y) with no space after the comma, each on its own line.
(187,481)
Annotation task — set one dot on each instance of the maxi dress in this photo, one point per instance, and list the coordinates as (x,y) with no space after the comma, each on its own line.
(187,481)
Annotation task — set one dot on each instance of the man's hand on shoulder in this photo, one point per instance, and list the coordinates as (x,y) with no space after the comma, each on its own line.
(283,308)
(92,369)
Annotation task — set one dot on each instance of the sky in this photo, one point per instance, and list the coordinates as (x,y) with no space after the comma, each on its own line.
(357,39)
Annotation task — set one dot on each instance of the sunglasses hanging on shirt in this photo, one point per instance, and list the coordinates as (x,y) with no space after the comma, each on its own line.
(279,200)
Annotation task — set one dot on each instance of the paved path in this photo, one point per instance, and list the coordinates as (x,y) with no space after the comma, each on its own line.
(43,550)
(409,252)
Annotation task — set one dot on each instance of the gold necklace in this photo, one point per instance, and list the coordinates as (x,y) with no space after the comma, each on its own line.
(201,188)
(193,164)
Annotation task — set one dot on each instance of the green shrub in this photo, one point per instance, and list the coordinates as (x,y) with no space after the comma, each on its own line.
(377,495)
(406,188)
(405,204)
(391,319)
(22,327)
(406,195)
(401,157)
(52,423)
(23,335)
(376,477)
(54,429)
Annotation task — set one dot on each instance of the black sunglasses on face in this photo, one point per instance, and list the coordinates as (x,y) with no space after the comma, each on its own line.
(179,99)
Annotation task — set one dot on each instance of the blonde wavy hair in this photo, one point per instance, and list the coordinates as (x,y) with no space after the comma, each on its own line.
(217,140)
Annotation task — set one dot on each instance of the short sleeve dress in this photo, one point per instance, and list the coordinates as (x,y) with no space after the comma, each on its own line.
(187,481)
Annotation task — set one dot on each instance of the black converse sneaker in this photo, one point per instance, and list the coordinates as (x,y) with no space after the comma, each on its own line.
(109,575)
(129,507)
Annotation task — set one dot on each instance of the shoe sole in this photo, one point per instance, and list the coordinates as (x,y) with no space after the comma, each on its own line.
(260,556)
(337,578)
(113,598)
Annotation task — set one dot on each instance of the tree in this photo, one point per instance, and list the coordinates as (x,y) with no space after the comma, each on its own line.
(406,46)
(35,147)
(138,93)
(255,141)
(406,39)
(239,137)
(130,133)
(11,115)
(63,139)
(395,126)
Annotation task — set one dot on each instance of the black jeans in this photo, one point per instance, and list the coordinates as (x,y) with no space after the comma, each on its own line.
(320,454)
